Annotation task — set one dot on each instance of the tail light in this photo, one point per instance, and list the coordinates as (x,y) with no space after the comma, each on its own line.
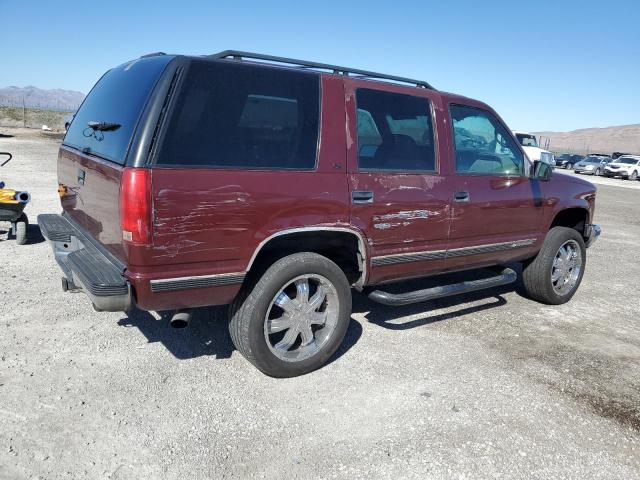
(135,205)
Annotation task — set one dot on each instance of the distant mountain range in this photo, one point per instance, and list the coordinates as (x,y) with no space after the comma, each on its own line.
(55,99)
(623,138)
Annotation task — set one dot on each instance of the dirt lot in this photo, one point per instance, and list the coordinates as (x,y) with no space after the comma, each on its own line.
(489,385)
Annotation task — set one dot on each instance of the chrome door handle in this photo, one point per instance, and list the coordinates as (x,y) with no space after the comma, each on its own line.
(359,196)
(461,197)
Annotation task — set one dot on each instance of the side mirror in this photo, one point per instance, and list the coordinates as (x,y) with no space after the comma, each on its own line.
(541,171)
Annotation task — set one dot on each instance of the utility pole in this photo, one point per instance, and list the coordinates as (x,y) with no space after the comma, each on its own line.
(24,114)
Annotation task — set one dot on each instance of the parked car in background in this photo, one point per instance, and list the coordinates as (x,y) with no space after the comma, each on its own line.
(568,160)
(532,148)
(620,154)
(625,167)
(592,165)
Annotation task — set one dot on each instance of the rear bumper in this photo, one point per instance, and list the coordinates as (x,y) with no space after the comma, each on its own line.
(593,233)
(87,267)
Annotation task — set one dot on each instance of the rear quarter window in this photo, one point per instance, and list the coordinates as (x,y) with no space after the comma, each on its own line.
(118,98)
(232,115)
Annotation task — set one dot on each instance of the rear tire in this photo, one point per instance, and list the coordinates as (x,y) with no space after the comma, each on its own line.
(21,230)
(633,176)
(285,328)
(569,166)
(549,277)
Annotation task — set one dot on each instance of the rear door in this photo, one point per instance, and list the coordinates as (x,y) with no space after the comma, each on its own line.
(496,209)
(399,191)
(91,160)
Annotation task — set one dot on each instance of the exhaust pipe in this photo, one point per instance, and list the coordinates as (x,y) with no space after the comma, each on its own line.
(22,197)
(181,318)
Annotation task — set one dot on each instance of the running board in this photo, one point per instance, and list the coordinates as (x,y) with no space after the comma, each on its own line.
(507,276)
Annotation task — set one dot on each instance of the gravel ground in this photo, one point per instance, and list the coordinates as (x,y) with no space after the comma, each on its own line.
(489,385)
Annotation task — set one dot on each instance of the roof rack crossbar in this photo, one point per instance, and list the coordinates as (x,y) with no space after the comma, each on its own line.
(239,55)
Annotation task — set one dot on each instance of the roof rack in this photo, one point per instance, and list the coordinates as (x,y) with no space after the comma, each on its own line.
(239,55)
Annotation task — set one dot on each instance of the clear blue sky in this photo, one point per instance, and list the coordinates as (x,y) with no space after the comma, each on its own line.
(543,65)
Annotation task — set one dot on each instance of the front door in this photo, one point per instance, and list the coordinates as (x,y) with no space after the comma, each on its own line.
(496,209)
(399,191)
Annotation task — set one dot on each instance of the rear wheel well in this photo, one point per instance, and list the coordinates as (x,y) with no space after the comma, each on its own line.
(575,218)
(340,247)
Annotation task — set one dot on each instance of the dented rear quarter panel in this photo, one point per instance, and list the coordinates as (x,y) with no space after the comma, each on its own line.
(209,220)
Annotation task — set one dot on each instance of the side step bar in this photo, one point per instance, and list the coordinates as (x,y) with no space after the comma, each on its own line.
(507,276)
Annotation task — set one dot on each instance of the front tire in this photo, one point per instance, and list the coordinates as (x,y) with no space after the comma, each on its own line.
(554,275)
(294,317)
(597,172)
(633,176)
(569,166)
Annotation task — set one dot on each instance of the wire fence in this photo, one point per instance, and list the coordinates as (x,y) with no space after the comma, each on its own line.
(33,117)
(54,106)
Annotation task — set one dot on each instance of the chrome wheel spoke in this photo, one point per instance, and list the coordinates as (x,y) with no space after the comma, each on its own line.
(285,303)
(306,335)
(555,276)
(302,287)
(288,340)
(279,324)
(317,318)
(317,299)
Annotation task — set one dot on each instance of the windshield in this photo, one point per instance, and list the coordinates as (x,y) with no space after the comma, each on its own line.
(592,160)
(527,140)
(626,161)
(105,122)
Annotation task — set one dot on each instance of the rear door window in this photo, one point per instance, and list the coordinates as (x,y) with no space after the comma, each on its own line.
(394,132)
(233,115)
(117,99)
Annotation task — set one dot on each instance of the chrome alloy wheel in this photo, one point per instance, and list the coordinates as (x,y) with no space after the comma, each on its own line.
(301,317)
(566,268)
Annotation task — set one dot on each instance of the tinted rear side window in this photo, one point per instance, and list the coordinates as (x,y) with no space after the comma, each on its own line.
(232,115)
(118,98)
(394,132)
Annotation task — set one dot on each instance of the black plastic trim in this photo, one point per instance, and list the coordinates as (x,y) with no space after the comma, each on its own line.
(99,276)
(54,228)
(495,247)
(409,257)
(186,283)
(455,252)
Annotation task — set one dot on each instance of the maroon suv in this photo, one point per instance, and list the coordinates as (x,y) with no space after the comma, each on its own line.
(276,185)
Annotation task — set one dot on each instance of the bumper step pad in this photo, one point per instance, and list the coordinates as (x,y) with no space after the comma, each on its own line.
(55,227)
(99,277)
(98,273)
